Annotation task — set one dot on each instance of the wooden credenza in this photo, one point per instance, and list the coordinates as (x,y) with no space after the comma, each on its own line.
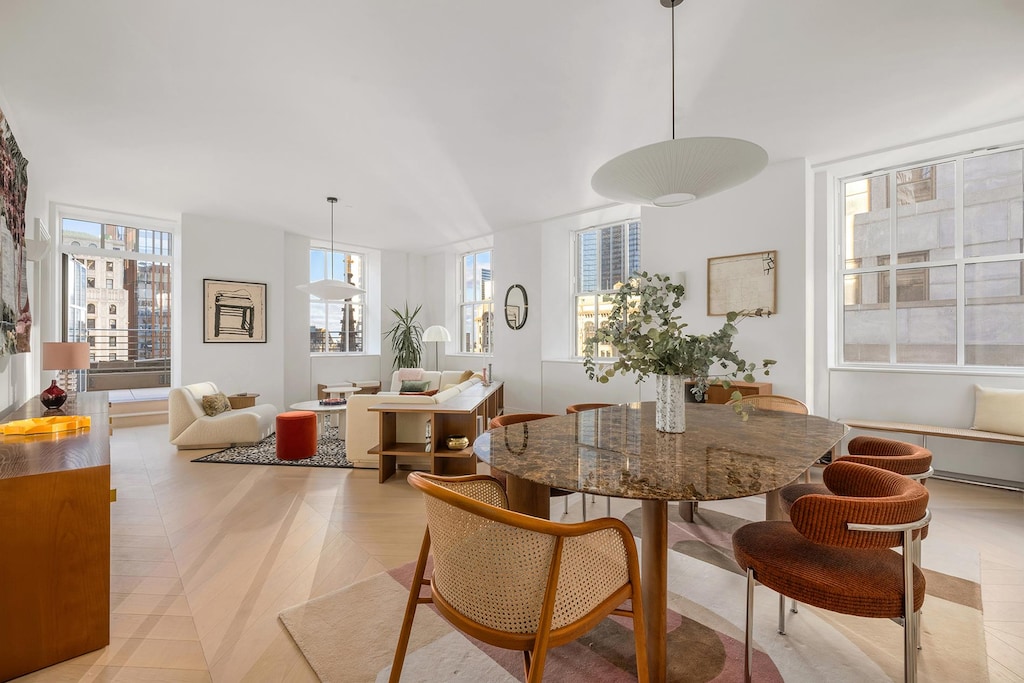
(719,394)
(54,540)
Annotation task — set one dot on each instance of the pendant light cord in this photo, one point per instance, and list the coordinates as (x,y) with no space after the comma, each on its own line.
(332,201)
(673,71)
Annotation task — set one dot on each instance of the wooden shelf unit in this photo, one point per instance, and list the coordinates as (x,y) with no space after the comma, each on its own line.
(462,414)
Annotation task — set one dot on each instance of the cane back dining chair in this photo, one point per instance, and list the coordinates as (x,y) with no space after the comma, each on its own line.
(580,408)
(557,581)
(517,418)
(836,552)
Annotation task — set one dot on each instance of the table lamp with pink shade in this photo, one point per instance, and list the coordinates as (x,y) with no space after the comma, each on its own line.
(65,357)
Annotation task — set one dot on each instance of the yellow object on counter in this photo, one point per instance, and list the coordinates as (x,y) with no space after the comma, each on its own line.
(45,425)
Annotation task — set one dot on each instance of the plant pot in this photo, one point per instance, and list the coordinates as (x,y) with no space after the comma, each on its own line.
(670,413)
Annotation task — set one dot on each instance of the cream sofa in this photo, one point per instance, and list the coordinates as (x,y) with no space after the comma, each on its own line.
(362,426)
(190,427)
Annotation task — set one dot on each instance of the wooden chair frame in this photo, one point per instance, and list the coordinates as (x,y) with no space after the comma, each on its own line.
(534,646)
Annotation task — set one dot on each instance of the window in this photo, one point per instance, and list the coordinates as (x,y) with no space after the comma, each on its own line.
(476,303)
(605,256)
(336,326)
(938,279)
(136,296)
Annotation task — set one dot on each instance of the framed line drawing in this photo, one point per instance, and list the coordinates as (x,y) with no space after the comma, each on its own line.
(741,282)
(234,312)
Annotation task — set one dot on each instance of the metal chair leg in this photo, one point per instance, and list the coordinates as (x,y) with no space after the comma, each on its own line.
(748,654)
(782,614)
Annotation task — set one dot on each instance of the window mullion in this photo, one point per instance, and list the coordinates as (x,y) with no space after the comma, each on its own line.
(893,308)
(961,268)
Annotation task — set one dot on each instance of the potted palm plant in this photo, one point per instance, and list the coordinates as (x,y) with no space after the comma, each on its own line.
(406,337)
(644,332)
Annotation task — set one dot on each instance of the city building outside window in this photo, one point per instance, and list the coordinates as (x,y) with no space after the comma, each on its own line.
(476,303)
(137,298)
(337,326)
(935,279)
(604,256)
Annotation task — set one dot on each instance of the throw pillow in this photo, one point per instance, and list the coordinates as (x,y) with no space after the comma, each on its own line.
(215,404)
(465,375)
(999,410)
(411,386)
(419,393)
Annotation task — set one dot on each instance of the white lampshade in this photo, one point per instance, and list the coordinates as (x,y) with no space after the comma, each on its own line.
(331,290)
(436,333)
(676,172)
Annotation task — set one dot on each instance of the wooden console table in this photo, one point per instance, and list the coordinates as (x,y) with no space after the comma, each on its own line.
(719,394)
(54,540)
(458,415)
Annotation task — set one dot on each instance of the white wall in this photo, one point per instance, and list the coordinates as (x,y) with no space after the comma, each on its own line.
(215,248)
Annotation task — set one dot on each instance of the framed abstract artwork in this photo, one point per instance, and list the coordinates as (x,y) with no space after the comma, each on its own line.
(234,312)
(741,282)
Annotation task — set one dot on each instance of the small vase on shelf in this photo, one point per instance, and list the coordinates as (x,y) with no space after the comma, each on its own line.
(53,396)
(670,412)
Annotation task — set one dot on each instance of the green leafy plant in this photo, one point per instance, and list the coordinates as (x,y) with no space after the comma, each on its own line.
(406,337)
(645,331)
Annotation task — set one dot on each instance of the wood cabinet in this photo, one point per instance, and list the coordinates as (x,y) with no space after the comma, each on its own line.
(54,540)
(719,394)
(466,414)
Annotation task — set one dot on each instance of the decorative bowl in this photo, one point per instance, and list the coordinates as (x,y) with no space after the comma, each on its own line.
(456,442)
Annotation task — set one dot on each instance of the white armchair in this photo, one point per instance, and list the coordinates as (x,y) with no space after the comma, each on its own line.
(190,427)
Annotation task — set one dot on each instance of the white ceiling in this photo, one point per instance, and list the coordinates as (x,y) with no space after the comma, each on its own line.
(441,120)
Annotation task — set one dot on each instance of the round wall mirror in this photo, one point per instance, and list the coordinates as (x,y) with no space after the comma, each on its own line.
(516,305)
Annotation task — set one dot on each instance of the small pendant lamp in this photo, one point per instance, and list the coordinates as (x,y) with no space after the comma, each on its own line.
(331,289)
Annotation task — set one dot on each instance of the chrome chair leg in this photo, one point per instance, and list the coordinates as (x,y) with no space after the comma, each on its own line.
(748,655)
(782,614)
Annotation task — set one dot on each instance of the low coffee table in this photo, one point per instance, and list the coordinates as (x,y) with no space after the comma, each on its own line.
(323,412)
(341,391)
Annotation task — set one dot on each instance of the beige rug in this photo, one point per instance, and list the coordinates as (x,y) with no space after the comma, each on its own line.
(349,635)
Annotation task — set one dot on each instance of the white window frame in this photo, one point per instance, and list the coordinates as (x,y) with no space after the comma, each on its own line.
(576,291)
(358,303)
(959,261)
(464,303)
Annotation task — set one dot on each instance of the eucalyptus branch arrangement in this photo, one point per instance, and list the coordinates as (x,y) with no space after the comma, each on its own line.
(645,332)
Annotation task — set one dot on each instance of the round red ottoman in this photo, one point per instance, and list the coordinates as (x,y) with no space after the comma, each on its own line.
(296,435)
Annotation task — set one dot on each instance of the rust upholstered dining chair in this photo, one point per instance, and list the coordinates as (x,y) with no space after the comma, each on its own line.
(580,408)
(515,418)
(836,552)
(557,581)
(904,458)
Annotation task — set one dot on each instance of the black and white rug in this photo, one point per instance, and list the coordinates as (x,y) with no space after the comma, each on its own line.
(330,452)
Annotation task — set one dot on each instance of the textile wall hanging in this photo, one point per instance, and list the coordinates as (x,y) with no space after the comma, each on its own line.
(16,323)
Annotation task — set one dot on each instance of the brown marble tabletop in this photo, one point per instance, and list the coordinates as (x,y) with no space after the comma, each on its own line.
(617,452)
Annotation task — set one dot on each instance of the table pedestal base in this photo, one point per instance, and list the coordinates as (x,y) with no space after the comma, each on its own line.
(654,578)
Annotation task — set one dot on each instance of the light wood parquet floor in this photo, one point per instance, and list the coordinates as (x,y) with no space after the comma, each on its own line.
(204,556)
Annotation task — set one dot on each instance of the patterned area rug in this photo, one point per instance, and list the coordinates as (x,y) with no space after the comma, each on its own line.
(330,452)
(350,634)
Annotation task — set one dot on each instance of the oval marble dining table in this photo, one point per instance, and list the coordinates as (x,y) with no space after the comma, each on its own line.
(617,451)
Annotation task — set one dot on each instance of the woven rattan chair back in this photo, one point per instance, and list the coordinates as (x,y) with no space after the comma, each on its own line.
(558,581)
(772,402)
